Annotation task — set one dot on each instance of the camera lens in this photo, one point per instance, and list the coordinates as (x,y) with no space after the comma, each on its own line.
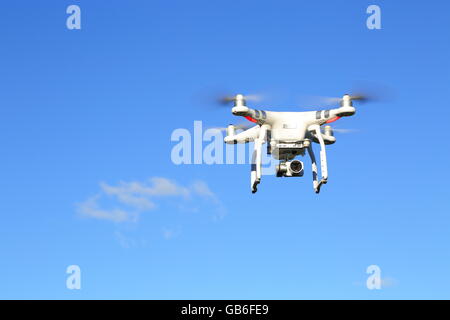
(296,166)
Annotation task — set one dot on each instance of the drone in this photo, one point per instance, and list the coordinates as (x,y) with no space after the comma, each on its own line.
(288,135)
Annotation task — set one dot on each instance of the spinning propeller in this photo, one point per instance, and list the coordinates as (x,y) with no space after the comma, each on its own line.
(224,100)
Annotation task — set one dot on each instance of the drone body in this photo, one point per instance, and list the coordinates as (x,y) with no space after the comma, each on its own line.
(288,135)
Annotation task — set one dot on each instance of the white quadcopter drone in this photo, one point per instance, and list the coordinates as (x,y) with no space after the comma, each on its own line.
(288,135)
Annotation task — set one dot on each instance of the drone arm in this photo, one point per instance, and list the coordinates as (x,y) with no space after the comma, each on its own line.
(243,137)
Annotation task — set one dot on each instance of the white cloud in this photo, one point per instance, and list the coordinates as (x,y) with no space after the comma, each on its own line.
(159,187)
(128,195)
(133,198)
(124,241)
(128,242)
(91,209)
(201,188)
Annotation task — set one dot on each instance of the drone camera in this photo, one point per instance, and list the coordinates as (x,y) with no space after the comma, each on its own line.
(296,167)
(290,169)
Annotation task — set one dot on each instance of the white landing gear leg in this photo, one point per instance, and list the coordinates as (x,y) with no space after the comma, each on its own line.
(255,175)
(323,162)
(314,169)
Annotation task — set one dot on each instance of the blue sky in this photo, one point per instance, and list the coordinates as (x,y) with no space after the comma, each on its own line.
(84,110)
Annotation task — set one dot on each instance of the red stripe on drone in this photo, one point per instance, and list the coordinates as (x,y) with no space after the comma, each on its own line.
(250,119)
(333,120)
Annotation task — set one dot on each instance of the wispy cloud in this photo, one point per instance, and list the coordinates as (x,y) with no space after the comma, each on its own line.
(130,199)
(201,188)
(159,187)
(90,208)
(124,241)
(128,242)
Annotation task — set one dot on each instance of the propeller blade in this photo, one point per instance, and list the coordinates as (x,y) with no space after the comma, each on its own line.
(341,130)
(363,93)
(335,101)
(225,100)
